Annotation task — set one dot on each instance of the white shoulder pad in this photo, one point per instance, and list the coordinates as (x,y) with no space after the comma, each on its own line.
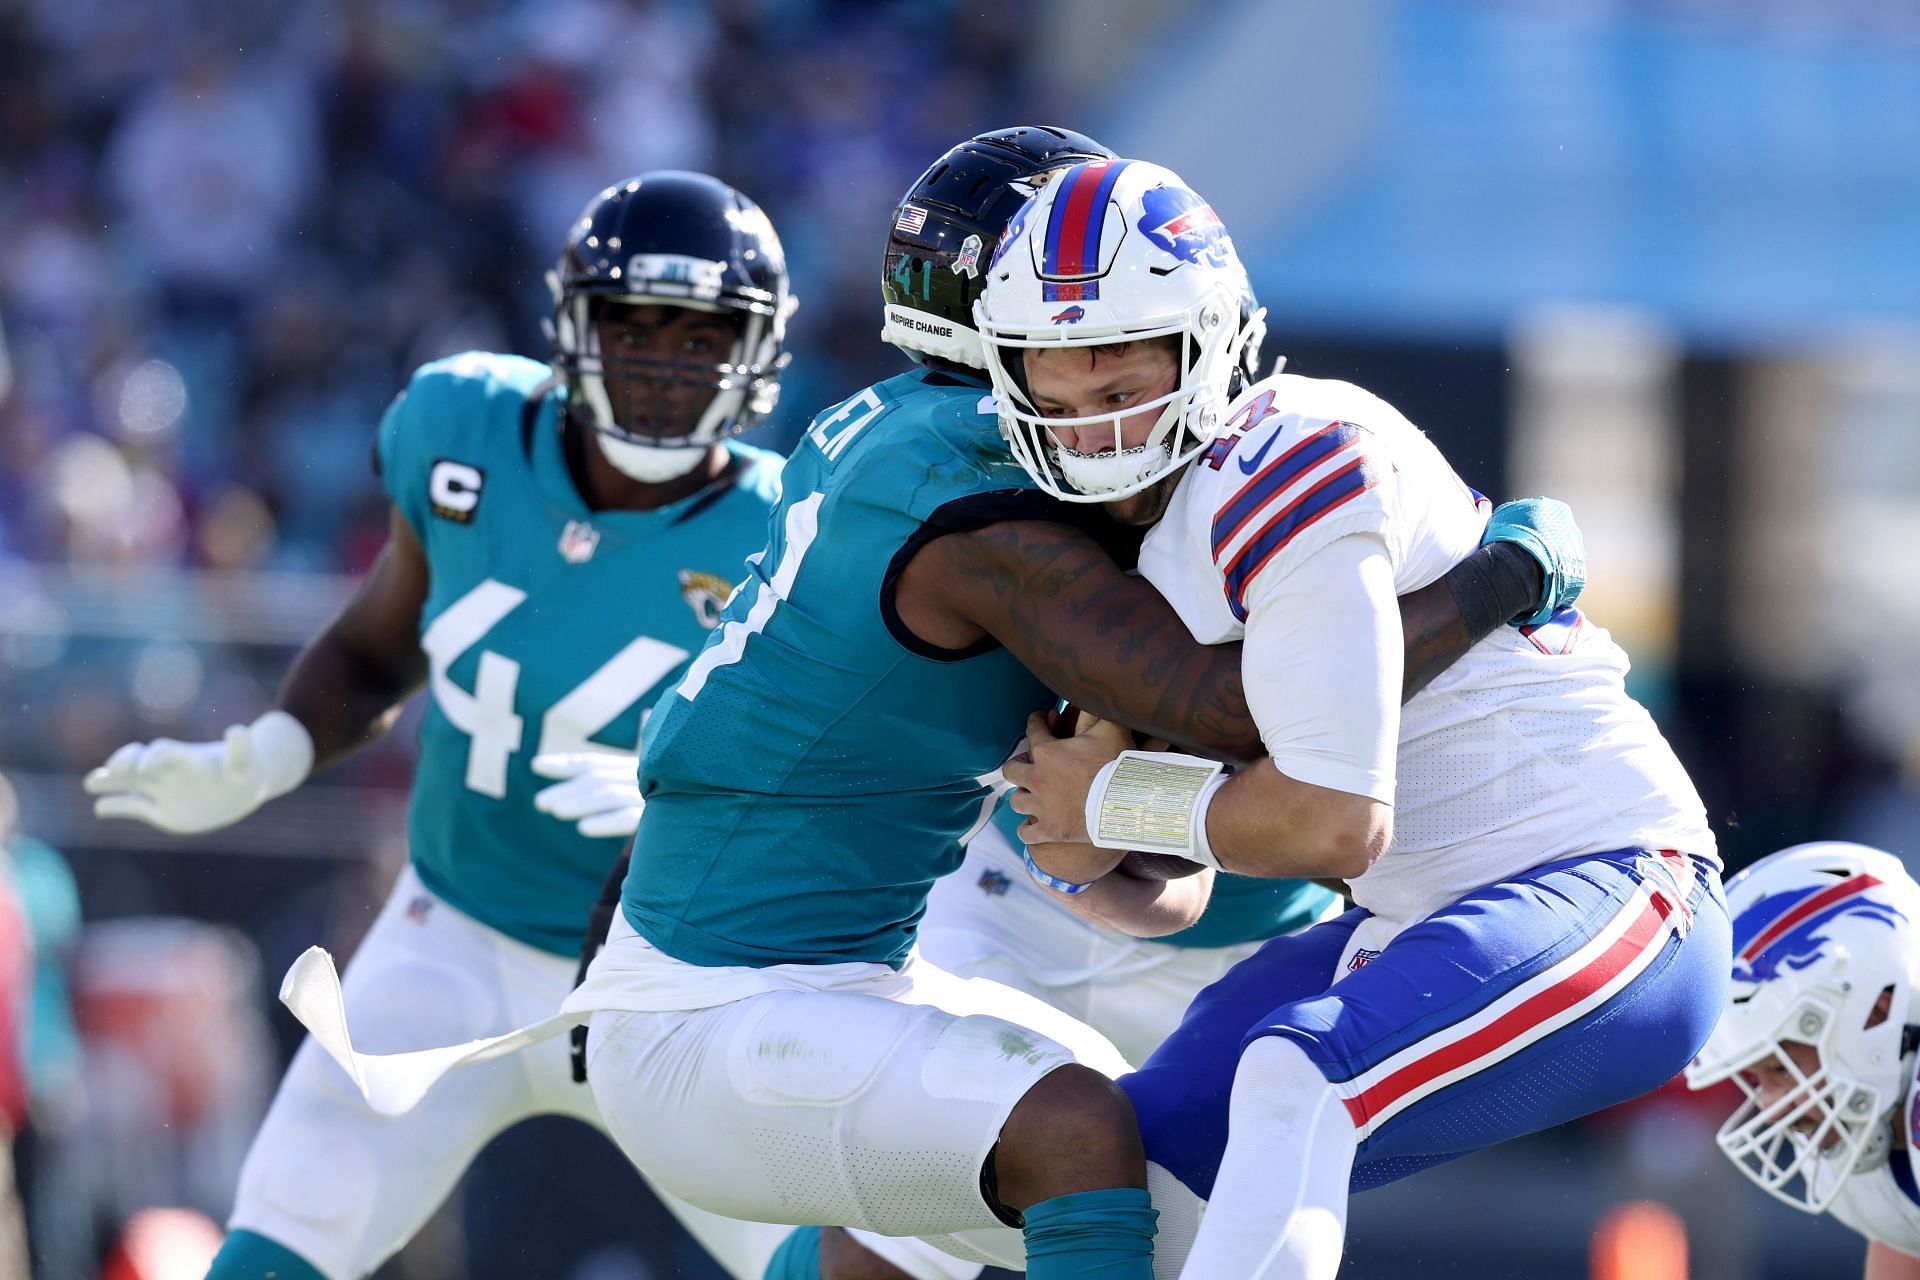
(1291,473)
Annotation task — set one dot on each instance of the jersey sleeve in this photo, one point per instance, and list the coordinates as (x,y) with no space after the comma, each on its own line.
(441,434)
(1322,665)
(393,461)
(1283,494)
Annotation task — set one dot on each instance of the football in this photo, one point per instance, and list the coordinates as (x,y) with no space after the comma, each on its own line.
(1141,866)
(1156,866)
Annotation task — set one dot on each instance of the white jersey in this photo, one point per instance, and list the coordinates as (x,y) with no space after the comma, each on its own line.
(1875,1203)
(1525,751)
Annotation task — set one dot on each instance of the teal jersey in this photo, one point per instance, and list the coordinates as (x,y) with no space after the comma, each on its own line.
(548,627)
(1242,908)
(817,768)
(50,900)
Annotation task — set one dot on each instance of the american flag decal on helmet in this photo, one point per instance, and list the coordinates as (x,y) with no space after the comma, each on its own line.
(910,219)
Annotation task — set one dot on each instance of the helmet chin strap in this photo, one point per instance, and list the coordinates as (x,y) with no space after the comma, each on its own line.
(647,463)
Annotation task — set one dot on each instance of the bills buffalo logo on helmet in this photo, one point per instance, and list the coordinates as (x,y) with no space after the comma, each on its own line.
(1185,226)
(1783,930)
(1072,315)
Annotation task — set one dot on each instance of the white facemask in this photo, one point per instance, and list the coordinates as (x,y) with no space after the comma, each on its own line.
(647,463)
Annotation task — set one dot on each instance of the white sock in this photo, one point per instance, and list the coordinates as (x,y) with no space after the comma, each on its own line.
(1180,1212)
(1279,1206)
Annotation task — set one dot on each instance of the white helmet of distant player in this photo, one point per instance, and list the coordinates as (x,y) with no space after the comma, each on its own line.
(1118,251)
(1821,933)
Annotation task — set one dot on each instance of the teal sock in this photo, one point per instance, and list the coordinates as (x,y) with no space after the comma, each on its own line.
(1092,1235)
(797,1258)
(247,1256)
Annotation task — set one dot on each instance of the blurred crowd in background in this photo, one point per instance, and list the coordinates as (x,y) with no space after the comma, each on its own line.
(227,235)
(229,232)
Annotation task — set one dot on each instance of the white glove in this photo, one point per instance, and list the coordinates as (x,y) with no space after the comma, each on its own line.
(601,791)
(190,787)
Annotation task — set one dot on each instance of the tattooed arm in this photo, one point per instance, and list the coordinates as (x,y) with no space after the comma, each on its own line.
(1108,642)
(1095,635)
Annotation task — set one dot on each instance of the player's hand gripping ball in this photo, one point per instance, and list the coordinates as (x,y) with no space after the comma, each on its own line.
(1137,864)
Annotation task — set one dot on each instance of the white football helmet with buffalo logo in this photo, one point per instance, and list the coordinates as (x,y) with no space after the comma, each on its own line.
(1118,251)
(1821,933)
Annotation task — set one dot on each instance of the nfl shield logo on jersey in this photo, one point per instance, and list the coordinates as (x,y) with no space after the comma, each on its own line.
(994,883)
(577,542)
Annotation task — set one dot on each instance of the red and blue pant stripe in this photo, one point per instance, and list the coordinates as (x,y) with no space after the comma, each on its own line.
(1524,1004)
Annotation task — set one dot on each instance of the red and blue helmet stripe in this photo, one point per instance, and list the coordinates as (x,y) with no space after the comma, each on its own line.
(1079,215)
(1783,929)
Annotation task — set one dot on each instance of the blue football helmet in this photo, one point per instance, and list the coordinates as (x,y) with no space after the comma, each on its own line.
(947,228)
(677,239)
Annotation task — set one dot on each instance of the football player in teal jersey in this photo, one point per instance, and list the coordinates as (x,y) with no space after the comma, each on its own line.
(990,918)
(562,538)
(764,1042)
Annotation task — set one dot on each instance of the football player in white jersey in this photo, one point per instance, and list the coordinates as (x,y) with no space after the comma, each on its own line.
(1819,1032)
(1540,930)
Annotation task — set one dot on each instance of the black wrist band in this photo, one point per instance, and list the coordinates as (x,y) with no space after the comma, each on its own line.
(1494,585)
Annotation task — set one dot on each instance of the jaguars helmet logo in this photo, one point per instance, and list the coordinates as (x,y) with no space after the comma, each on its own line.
(706,594)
